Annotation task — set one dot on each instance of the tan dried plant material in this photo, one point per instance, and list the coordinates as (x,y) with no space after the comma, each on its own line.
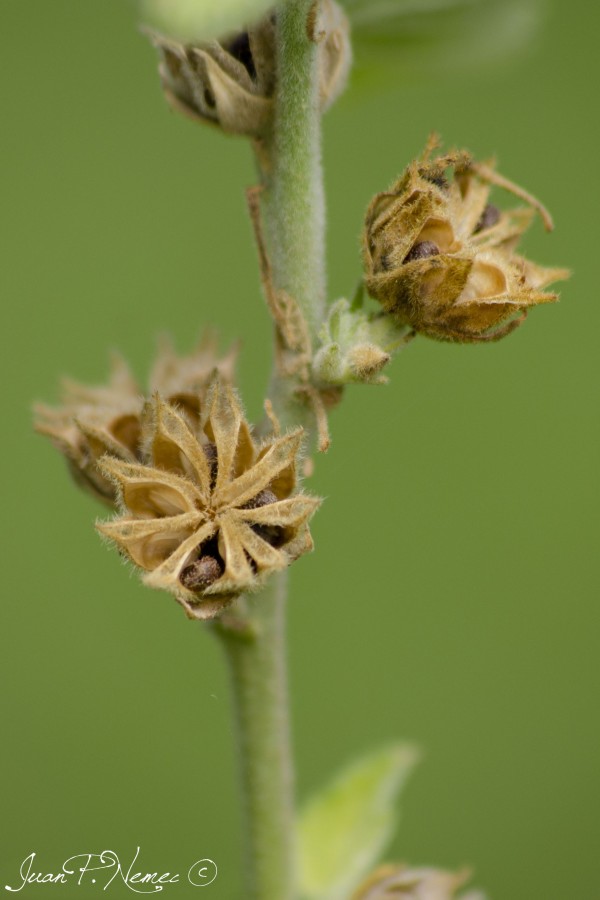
(95,420)
(231,83)
(209,513)
(442,258)
(399,882)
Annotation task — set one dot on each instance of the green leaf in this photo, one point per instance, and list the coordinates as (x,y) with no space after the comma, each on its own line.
(344,829)
(417,38)
(201,20)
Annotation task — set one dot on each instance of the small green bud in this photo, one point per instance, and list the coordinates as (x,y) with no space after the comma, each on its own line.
(356,345)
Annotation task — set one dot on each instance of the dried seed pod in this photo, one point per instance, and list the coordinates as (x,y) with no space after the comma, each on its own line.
(231,83)
(94,421)
(202,534)
(398,882)
(442,259)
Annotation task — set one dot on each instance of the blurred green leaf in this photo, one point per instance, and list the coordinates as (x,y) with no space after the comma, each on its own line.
(194,20)
(416,38)
(344,828)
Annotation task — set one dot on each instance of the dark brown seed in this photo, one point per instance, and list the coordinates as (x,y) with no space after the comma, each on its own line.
(263,498)
(210,452)
(272,534)
(489,217)
(201,573)
(422,250)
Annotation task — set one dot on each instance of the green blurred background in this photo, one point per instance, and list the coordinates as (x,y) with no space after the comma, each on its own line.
(451,599)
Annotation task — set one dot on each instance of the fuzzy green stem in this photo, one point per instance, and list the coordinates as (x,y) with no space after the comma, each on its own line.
(295,202)
(294,214)
(259,679)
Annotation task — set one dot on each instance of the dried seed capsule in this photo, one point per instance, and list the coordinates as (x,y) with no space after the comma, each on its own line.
(232,83)
(199,538)
(427,265)
(201,573)
(108,419)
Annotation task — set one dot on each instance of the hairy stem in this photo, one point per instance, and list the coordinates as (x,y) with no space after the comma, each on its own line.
(259,679)
(294,197)
(295,223)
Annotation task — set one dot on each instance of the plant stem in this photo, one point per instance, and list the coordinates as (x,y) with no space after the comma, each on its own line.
(294,196)
(295,223)
(259,681)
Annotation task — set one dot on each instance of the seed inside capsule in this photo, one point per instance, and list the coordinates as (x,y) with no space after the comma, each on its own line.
(489,217)
(421,251)
(210,452)
(263,498)
(201,573)
(272,534)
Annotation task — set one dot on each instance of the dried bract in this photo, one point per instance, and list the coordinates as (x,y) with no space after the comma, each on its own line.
(398,882)
(231,83)
(442,259)
(210,513)
(93,421)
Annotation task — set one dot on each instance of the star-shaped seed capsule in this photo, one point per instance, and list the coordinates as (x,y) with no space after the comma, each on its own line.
(95,420)
(210,513)
(442,259)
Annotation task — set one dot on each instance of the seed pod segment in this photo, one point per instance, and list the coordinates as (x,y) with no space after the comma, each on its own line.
(442,259)
(209,514)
